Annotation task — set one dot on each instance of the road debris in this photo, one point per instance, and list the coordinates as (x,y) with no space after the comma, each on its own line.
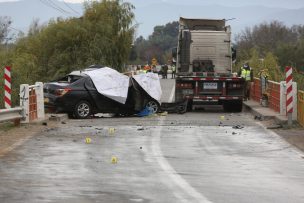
(238,127)
(145,112)
(275,126)
(165,113)
(49,129)
(85,126)
(258,118)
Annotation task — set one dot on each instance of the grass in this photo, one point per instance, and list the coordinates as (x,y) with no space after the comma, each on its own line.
(6,126)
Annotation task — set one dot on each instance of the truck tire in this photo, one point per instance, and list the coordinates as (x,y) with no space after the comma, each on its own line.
(233,106)
(189,105)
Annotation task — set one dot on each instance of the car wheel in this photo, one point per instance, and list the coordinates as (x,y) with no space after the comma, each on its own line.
(82,109)
(153,106)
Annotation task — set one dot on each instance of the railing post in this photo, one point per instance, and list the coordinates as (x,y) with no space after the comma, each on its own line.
(24,101)
(7,87)
(289,96)
(295,101)
(40,100)
(283,98)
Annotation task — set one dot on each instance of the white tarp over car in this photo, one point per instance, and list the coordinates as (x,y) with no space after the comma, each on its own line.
(150,83)
(110,83)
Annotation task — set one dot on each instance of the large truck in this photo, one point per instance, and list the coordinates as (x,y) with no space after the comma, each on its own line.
(203,61)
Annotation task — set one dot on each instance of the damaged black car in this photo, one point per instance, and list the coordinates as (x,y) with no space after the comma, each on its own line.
(81,94)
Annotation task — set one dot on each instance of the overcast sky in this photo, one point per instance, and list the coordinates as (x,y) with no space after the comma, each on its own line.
(273,3)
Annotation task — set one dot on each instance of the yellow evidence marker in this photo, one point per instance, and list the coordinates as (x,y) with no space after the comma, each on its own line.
(222,117)
(111,131)
(88,140)
(114,160)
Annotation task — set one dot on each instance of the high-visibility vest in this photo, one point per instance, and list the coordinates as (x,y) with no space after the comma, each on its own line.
(246,74)
(173,68)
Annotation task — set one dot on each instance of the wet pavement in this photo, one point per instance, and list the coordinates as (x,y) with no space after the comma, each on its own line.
(195,157)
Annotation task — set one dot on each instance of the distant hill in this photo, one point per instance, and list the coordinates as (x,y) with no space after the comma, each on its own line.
(150,14)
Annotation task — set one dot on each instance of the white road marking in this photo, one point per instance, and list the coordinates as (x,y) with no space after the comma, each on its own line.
(171,173)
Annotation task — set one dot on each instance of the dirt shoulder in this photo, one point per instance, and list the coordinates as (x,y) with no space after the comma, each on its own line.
(13,136)
(294,136)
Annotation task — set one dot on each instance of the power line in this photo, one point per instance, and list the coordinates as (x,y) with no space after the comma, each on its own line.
(49,4)
(57,6)
(71,8)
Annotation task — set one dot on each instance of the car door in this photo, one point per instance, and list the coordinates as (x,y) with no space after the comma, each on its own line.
(103,104)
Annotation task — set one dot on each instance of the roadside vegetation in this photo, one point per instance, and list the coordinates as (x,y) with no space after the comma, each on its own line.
(105,35)
(272,46)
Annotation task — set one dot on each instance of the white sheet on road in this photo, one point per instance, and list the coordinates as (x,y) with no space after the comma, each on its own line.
(110,83)
(150,83)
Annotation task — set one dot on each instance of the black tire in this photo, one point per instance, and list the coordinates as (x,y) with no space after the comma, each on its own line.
(189,105)
(233,106)
(181,109)
(82,109)
(153,105)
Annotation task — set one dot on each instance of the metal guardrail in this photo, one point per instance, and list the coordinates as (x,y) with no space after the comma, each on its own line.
(301,107)
(11,114)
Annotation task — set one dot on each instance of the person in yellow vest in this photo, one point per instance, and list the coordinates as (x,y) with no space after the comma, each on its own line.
(173,70)
(246,73)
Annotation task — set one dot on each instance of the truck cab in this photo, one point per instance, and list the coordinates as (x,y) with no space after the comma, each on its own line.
(204,65)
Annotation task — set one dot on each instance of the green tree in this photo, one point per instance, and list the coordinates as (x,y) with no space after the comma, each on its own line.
(271,64)
(111,31)
(158,44)
(103,35)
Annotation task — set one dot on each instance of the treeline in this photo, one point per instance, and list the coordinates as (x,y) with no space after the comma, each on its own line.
(272,46)
(158,45)
(103,35)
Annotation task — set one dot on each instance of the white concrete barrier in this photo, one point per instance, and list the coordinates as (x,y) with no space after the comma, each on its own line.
(32,101)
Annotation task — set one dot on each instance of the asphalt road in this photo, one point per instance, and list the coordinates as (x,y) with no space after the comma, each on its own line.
(207,156)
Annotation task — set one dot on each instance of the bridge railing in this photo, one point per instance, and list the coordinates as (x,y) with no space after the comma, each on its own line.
(31,105)
(276,95)
(301,107)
